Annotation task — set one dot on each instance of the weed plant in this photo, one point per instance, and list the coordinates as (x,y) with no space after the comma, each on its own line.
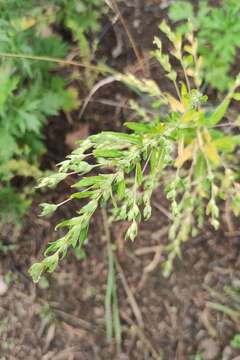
(181,142)
(218,30)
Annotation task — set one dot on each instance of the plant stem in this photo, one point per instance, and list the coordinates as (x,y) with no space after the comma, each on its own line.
(51,59)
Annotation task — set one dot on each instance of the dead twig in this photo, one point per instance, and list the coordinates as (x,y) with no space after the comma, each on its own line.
(228,217)
(73,320)
(95,88)
(146,250)
(142,336)
(205,318)
(131,298)
(156,260)
(162,210)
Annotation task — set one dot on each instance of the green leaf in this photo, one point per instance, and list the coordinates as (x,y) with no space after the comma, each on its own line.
(70,222)
(235,342)
(36,271)
(71,99)
(167,31)
(8,144)
(132,231)
(236,96)
(51,262)
(139,175)
(55,246)
(121,188)
(90,207)
(48,209)
(81,167)
(181,10)
(227,143)
(129,138)
(51,103)
(200,167)
(90,181)
(52,180)
(108,153)
(83,235)
(219,113)
(153,160)
(82,194)
(137,127)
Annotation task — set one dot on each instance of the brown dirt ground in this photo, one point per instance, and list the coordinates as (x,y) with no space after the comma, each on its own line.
(63,317)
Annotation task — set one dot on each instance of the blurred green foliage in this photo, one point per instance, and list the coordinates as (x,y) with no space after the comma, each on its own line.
(218,30)
(32,91)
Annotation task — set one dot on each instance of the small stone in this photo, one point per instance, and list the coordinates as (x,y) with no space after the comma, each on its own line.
(3,287)
(209,349)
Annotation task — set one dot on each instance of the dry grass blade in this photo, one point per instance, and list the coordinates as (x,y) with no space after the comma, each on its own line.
(50,59)
(96,87)
(156,260)
(141,335)
(131,298)
(74,320)
(234,315)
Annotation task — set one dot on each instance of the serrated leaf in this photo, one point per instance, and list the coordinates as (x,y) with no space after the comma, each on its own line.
(51,103)
(181,10)
(71,99)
